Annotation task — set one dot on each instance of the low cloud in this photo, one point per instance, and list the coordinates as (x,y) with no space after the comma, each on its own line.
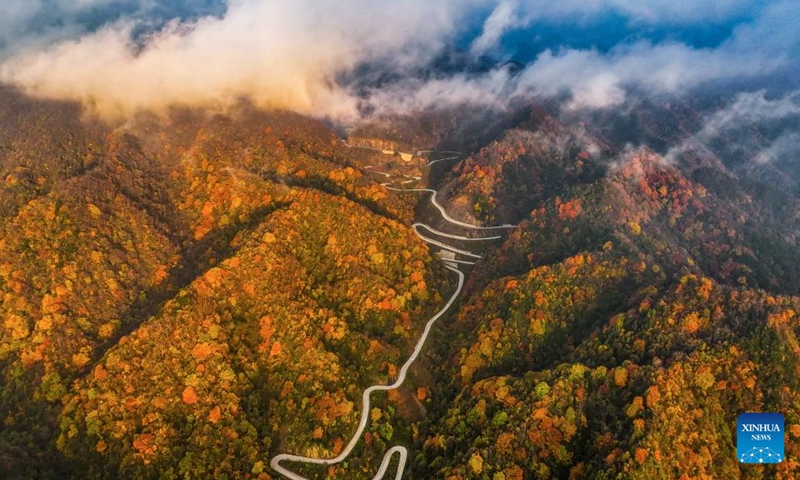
(753,108)
(503,19)
(760,128)
(785,147)
(276,53)
(491,89)
(295,54)
(28,24)
(768,44)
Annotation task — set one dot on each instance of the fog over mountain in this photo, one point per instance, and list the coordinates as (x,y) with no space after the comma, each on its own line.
(558,239)
(121,57)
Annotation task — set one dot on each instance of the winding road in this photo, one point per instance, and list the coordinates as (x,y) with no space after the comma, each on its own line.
(446,246)
(450,264)
(454,237)
(441,209)
(365,407)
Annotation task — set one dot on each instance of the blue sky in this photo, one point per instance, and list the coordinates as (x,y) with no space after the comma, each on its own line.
(127,55)
(603,32)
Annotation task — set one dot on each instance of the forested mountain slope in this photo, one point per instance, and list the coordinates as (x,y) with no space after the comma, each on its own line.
(186,296)
(181,295)
(638,308)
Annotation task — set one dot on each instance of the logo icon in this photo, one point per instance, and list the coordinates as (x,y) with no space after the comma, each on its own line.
(759,438)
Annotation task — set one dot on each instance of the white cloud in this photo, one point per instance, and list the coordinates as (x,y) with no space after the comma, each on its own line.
(279,53)
(504,18)
(784,146)
(749,112)
(599,80)
(292,54)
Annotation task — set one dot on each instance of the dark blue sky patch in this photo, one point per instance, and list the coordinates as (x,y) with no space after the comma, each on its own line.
(603,33)
(162,12)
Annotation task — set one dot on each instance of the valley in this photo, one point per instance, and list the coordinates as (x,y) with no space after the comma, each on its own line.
(243,295)
(452,264)
(399,239)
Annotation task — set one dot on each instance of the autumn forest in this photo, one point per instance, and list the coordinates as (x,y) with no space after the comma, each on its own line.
(189,295)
